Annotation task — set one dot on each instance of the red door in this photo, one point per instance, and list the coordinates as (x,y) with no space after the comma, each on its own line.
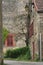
(10,41)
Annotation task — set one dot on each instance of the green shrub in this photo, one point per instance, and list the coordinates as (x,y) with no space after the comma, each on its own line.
(15,53)
(4,34)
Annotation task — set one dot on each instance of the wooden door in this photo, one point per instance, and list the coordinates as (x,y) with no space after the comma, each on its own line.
(10,41)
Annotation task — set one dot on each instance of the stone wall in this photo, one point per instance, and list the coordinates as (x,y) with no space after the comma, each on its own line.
(41,30)
(15,18)
(34,39)
(37,19)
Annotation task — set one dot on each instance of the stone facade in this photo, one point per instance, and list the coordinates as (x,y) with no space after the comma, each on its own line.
(34,38)
(41,30)
(15,18)
(37,19)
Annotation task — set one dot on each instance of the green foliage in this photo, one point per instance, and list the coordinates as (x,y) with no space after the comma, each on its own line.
(15,53)
(4,34)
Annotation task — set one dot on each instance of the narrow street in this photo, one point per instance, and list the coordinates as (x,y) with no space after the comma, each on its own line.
(9,62)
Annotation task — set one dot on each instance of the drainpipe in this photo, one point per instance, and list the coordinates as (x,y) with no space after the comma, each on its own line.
(40,48)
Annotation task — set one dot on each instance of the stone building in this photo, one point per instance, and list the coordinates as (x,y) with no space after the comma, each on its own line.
(36,27)
(14,19)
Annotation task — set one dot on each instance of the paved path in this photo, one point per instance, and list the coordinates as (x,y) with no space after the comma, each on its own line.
(8,62)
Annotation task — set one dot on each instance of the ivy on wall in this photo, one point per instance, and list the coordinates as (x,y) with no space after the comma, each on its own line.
(4,34)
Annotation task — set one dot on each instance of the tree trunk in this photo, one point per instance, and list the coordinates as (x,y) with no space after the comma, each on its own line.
(27,34)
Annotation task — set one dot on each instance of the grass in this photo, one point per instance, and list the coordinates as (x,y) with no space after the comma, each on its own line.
(24,57)
(21,58)
(20,54)
(9,59)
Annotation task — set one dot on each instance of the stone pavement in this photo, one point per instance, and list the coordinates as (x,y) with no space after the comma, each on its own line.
(9,62)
